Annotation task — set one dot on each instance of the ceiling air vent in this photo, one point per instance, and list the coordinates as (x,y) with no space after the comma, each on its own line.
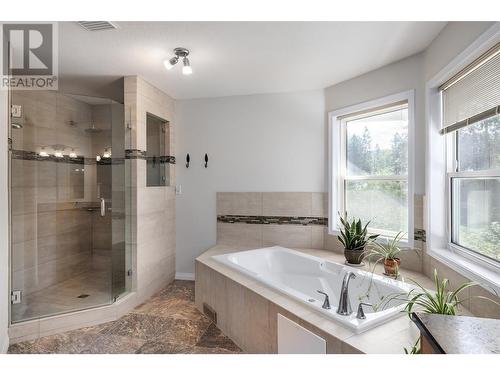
(97,25)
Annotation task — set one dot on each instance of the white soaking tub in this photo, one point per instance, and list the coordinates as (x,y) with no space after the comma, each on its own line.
(300,276)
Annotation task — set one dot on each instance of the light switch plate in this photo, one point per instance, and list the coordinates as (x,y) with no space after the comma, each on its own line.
(17,111)
(178,189)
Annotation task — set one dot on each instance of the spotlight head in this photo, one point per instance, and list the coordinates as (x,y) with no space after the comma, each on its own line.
(186,69)
(169,64)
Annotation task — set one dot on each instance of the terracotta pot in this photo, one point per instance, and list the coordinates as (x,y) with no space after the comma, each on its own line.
(391,266)
(354,256)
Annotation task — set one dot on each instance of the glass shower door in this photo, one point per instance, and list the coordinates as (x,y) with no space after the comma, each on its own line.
(67,203)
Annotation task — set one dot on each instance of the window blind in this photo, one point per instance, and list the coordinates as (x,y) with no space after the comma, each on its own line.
(473,93)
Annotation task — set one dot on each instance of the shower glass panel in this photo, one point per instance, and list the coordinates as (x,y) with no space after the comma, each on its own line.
(67,203)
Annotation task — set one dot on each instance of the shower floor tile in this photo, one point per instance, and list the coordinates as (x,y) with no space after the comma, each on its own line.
(168,323)
(63,297)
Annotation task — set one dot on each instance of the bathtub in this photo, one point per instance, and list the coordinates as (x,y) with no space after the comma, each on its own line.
(299,276)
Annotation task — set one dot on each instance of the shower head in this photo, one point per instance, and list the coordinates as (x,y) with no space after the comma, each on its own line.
(16,126)
(93,129)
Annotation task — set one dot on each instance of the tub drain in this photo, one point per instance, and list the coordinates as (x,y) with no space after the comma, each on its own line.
(311,300)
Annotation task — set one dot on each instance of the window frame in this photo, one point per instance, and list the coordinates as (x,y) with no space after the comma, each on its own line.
(452,172)
(338,153)
(438,187)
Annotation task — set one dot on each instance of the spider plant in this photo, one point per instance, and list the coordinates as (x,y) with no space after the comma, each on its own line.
(353,235)
(415,349)
(442,301)
(387,251)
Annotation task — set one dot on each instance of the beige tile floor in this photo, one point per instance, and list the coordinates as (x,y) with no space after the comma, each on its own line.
(168,323)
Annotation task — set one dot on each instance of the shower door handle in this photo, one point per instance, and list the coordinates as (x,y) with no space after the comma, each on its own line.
(103,207)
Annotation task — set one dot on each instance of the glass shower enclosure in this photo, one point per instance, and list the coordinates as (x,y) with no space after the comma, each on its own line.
(67,203)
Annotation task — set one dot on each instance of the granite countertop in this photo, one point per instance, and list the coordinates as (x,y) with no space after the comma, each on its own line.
(390,337)
(452,334)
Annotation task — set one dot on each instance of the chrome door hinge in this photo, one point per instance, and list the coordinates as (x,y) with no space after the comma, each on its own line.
(9,143)
(16,296)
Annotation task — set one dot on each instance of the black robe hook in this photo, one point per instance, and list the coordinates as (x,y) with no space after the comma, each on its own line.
(187,160)
(206,160)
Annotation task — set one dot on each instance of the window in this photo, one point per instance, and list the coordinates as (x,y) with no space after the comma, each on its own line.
(371,166)
(471,124)
(462,163)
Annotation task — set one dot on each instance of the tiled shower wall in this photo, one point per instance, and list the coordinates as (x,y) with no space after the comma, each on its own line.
(296,220)
(151,210)
(51,233)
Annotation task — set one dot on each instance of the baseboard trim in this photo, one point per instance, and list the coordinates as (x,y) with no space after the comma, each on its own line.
(4,345)
(184,276)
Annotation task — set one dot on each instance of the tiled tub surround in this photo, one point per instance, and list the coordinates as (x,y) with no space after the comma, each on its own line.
(235,206)
(247,310)
(289,219)
(231,293)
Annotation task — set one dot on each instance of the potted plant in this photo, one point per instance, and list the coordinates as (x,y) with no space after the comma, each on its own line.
(387,252)
(354,236)
(440,301)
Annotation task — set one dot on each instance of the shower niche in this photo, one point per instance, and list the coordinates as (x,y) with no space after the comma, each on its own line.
(157,151)
(67,202)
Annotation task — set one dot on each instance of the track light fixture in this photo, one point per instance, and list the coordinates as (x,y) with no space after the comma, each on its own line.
(180,53)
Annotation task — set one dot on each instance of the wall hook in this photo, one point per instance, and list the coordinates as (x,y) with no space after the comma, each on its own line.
(187,160)
(206,160)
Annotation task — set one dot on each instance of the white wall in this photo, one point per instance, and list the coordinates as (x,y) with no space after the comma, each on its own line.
(4,227)
(400,76)
(269,142)
(452,40)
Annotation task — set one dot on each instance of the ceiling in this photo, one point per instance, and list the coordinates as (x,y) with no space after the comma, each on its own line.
(238,58)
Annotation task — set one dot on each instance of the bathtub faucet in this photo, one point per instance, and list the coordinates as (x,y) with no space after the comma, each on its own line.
(361,313)
(344,303)
(326,303)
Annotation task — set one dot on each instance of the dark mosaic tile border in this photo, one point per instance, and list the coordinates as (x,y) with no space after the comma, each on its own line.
(166,159)
(129,154)
(79,160)
(134,154)
(31,155)
(140,154)
(419,235)
(280,220)
(108,161)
